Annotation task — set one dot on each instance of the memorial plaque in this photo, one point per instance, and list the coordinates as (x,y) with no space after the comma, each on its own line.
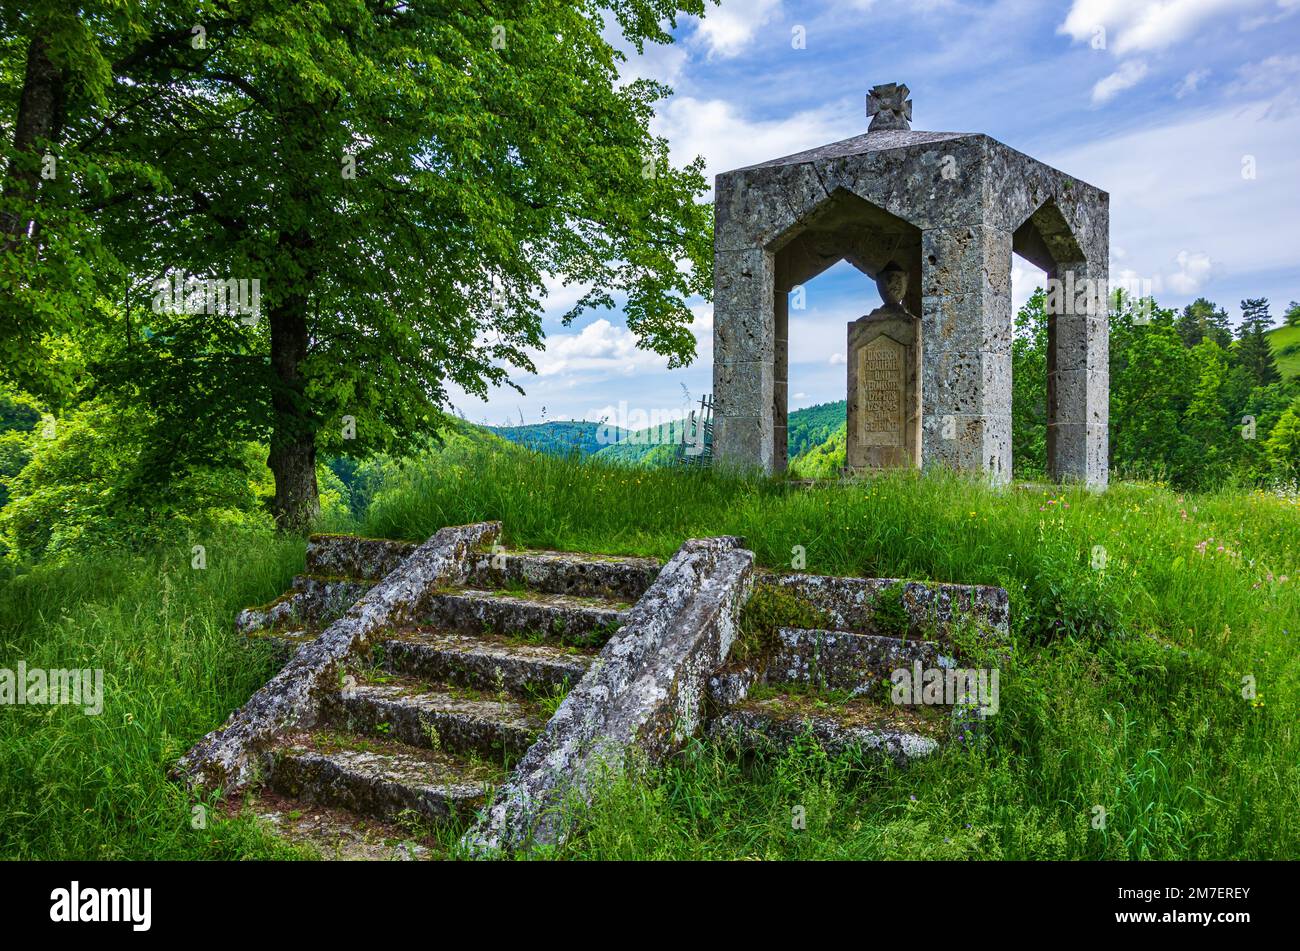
(882,389)
(884,425)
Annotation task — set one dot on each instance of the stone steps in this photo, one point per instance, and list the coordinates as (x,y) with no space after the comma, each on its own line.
(872,727)
(559,572)
(312,601)
(846,660)
(386,781)
(483,662)
(426,720)
(336,834)
(447,720)
(430,702)
(561,618)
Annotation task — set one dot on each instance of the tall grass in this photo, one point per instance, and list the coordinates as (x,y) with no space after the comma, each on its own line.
(1124,692)
(95,787)
(1136,614)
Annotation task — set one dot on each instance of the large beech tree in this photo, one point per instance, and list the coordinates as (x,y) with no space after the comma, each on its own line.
(401,179)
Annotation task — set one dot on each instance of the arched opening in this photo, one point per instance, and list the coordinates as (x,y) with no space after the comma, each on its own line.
(1028,371)
(882,357)
(1046,241)
(820,309)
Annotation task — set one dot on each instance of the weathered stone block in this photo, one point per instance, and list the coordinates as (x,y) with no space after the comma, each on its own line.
(645,693)
(368,559)
(982,322)
(744,389)
(884,407)
(744,441)
(932,609)
(228,757)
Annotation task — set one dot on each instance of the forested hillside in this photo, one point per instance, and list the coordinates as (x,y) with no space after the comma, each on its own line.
(559,437)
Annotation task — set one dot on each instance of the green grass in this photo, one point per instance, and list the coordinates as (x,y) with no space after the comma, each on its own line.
(74,786)
(1124,691)
(1284,339)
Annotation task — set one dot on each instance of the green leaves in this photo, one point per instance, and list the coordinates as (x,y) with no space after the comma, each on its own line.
(403,181)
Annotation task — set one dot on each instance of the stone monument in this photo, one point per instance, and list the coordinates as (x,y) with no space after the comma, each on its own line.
(934,218)
(884,406)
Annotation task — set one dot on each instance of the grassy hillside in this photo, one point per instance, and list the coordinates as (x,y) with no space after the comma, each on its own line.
(656,445)
(1285,342)
(1123,690)
(814,425)
(558,438)
(823,460)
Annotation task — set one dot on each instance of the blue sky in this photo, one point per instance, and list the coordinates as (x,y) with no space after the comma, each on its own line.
(1186,111)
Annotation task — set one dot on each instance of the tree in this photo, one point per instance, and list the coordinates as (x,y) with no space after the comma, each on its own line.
(1152,376)
(1253,349)
(402,180)
(1283,445)
(1029,389)
(1201,319)
(1292,315)
(1209,447)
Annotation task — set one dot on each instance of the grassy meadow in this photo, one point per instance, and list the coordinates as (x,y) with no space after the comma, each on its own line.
(1136,615)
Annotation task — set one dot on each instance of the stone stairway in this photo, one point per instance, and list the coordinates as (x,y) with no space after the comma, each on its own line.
(417,734)
(834,684)
(469,683)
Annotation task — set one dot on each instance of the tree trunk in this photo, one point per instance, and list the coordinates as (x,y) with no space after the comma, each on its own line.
(293,436)
(40,116)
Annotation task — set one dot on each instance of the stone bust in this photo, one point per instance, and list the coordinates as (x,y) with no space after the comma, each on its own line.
(891,283)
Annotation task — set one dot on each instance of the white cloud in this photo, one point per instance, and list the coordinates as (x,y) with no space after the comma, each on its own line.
(1277,77)
(1193,271)
(559,298)
(598,346)
(1180,186)
(1134,26)
(1266,76)
(1025,279)
(662,62)
(1126,77)
(715,129)
(1189,83)
(702,328)
(1286,8)
(838,359)
(727,30)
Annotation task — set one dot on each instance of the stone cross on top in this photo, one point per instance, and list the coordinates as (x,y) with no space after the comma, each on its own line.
(889,107)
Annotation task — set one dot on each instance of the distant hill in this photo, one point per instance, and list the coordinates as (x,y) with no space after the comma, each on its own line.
(560,437)
(814,425)
(823,460)
(657,445)
(652,446)
(1285,342)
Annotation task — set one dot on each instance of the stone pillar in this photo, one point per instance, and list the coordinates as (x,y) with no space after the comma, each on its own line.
(966,330)
(1078,374)
(744,355)
(780,379)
